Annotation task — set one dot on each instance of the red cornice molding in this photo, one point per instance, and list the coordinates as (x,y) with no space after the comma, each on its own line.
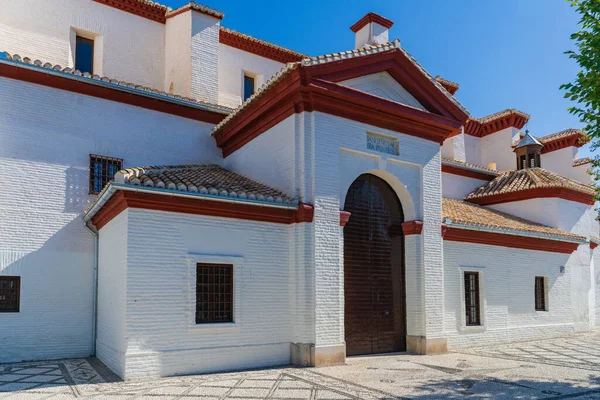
(536,193)
(344,217)
(562,143)
(371,17)
(303,89)
(476,128)
(142,9)
(593,245)
(103,92)
(254,46)
(451,169)
(504,240)
(412,227)
(149,201)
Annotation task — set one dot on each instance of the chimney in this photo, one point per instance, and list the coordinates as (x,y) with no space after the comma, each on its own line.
(372,29)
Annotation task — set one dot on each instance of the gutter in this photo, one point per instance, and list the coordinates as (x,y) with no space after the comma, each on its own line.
(449,223)
(94,232)
(98,82)
(113,187)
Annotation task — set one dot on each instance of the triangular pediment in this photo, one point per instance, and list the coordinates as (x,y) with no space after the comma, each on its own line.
(382,85)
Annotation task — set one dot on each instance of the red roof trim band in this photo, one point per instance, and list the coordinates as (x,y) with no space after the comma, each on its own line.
(451,169)
(255,47)
(562,143)
(149,201)
(477,128)
(371,17)
(145,10)
(544,192)
(506,240)
(107,93)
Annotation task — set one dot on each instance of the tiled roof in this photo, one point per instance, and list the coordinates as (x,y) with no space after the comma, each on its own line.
(582,161)
(495,122)
(463,164)
(526,179)
(203,179)
(292,53)
(450,86)
(198,7)
(476,216)
(501,114)
(108,81)
(563,134)
(327,58)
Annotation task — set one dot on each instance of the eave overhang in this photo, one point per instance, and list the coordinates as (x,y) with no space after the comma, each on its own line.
(534,193)
(480,127)
(574,140)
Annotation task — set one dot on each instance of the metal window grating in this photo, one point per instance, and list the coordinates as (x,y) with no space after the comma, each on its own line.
(214,293)
(10,292)
(102,171)
(540,294)
(472,298)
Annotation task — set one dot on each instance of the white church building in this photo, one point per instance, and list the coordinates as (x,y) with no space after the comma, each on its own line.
(177,197)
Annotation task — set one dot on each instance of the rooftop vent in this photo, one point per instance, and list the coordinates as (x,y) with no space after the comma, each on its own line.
(372,29)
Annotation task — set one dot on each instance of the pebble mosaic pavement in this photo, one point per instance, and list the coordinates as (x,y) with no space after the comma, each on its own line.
(567,368)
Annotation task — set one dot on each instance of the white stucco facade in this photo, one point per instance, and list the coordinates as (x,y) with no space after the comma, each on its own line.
(128,295)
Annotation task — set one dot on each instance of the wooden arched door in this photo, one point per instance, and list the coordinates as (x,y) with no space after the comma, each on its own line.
(374,283)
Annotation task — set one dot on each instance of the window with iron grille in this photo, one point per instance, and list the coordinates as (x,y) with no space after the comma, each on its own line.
(102,171)
(472,299)
(214,293)
(10,291)
(540,293)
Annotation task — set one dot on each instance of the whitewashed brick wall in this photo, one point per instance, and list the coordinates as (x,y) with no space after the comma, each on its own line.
(508,305)
(131,47)
(161,335)
(204,56)
(457,186)
(46,137)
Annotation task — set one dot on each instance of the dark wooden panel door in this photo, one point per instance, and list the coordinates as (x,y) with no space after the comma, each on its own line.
(374,289)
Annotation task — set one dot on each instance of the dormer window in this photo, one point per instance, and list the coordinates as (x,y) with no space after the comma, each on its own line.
(84,54)
(248,86)
(528,152)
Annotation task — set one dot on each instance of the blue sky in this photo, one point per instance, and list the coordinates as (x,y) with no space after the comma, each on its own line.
(503,53)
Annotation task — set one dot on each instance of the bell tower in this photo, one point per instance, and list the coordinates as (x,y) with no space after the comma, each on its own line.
(528,152)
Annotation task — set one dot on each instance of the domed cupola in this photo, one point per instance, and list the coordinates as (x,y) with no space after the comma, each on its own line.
(528,152)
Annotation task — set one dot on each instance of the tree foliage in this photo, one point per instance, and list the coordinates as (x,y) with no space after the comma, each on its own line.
(585,90)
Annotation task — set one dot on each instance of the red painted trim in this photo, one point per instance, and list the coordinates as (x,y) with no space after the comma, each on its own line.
(142,9)
(544,192)
(344,217)
(562,143)
(371,17)
(149,201)
(254,46)
(304,89)
(451,169)
(593,245)
(479,129)
(188,8)
(504,240)
(412,227)
(103,92)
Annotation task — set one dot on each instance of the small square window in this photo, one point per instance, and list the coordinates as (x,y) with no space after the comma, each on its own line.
(248,87)
(473,312)
(102,171)
(84,54)
(214,293)
(540,293)
(10,293)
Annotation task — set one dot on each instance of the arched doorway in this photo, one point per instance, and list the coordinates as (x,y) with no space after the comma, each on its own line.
(374,288)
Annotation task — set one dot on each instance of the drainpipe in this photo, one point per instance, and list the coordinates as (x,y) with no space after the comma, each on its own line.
(94,232)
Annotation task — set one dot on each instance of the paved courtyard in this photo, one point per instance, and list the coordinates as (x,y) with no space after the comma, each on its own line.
(566,368)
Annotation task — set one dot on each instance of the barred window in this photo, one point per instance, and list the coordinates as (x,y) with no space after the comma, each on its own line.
(102,171)
(472,299)
(10,291)
(540,293)
(214,293)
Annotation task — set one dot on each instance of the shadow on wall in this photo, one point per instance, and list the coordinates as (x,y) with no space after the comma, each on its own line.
(77,197)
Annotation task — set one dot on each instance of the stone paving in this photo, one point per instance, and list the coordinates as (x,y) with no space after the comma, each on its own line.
(567,368)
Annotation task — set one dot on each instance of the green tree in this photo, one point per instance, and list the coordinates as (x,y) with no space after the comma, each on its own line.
(585,90)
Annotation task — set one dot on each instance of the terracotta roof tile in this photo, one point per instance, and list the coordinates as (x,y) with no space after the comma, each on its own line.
(582,161)
(108,81)
(198,7)
(563,134)
(463,164)
(526,179)
(474,215)
(292,53)
(451,87)
(327,58)
(206,179)
(501,114)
